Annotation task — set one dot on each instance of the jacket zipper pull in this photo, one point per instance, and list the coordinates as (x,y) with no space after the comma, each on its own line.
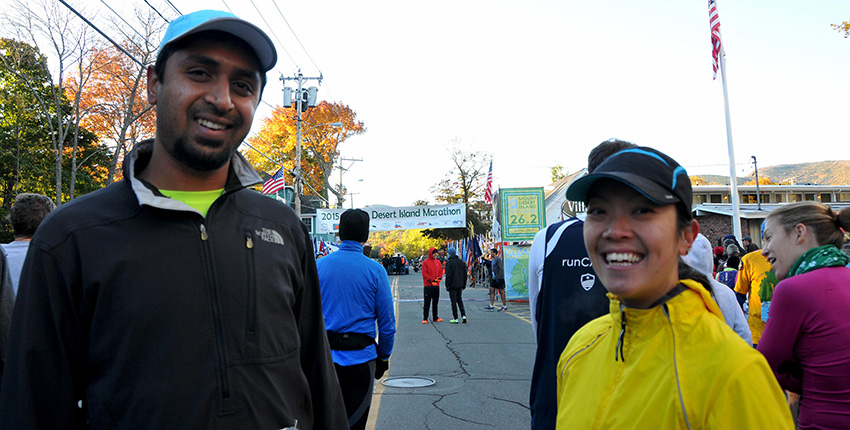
(249,242)
(204,235)
(618,350)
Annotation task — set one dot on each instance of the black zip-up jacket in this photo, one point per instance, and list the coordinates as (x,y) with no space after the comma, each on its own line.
(455,274)
(156,317)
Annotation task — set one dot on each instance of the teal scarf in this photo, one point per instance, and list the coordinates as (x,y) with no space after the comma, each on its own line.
(816,258)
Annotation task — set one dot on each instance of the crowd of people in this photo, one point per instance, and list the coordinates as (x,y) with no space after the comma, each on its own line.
(180,298)
(666,352)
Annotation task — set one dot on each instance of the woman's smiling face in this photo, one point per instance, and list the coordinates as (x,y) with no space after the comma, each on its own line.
(634,243)
(781,247)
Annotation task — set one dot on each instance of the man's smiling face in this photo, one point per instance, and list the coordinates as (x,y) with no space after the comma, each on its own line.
(205,101)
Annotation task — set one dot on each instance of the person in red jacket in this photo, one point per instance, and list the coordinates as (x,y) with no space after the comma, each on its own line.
(432,274)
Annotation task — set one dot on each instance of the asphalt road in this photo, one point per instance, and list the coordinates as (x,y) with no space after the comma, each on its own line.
(482,369)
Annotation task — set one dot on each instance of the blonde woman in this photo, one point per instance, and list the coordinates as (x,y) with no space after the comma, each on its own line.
(807,337)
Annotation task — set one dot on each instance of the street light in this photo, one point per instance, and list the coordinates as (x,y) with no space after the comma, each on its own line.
(298,176)
(352,195)
(341,193)
(758,194)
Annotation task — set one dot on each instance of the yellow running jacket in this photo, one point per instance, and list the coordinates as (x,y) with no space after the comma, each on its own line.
(674,366)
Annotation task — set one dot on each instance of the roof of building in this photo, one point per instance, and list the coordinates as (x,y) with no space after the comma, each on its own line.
(750,211)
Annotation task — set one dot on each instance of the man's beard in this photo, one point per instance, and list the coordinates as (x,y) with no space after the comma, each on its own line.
(198,160)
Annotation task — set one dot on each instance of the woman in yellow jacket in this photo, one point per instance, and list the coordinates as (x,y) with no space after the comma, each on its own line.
(663,358)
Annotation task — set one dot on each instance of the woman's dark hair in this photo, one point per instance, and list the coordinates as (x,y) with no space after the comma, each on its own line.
(683,217)
(688,272)
(604,150)
(683,221)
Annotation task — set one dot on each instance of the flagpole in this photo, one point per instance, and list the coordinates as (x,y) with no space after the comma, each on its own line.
(733,178)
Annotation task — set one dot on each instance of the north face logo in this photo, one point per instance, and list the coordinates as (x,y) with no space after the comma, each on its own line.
(269,235)
(587,281)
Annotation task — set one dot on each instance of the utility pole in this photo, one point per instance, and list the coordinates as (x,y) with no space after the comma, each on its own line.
(758,194)
(303,99)
(352,199)
(341,195)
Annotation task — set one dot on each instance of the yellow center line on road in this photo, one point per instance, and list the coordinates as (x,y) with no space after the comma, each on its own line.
(525,315)
(522,317)
(379,387)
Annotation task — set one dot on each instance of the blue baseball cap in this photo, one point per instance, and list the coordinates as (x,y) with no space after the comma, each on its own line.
(226,22)
(649,171)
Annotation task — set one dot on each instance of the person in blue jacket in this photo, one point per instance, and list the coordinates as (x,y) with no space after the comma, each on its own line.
(355,296)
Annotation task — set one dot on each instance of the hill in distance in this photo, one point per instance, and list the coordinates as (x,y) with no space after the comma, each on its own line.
(818,173)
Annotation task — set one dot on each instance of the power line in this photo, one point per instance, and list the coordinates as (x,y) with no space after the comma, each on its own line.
(173,7)
(228,7)
(157,12)
(282,166)
(122,19)
(90,24)
(274,34)
(295,35)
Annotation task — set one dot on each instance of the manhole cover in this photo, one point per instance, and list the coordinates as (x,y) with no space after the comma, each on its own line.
(408,382)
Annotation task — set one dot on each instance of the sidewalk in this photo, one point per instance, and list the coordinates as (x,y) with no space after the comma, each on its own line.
(481,370)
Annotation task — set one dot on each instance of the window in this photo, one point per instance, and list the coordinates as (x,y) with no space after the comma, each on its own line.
(699,199)
(715,198)
(780,198)
(825,198)
(795,197)
(753,198)
(842,197)
(810,197)
(308,222)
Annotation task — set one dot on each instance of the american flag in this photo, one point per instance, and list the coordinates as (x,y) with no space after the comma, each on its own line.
(275,183)
(488,189)
(714,21)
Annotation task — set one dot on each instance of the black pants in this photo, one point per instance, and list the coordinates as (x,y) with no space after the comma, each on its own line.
(356,383)
(457,302)
(432,298)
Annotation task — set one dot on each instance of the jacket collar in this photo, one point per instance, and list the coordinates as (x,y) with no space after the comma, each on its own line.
(703,298)
(240,175)
(351,245)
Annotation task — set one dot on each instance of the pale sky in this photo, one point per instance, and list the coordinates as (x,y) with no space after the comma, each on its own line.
(540,83)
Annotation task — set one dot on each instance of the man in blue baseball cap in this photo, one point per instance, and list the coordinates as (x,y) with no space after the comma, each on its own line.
(177,297)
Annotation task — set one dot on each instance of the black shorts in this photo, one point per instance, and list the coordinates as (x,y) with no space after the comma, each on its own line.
(498,284)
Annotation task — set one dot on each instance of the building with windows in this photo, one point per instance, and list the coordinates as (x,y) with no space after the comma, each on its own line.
(712,204)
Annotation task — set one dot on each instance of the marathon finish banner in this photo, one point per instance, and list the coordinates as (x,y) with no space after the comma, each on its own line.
(398,218)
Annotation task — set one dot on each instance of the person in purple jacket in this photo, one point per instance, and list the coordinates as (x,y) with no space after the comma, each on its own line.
(807,337)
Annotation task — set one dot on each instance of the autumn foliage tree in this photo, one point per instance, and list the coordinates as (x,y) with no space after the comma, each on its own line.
(763,180)
(43,20)
(319,144)
(844,27)
(26,149)
(408,242)
(114,104)
(464,183)
(557,173)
